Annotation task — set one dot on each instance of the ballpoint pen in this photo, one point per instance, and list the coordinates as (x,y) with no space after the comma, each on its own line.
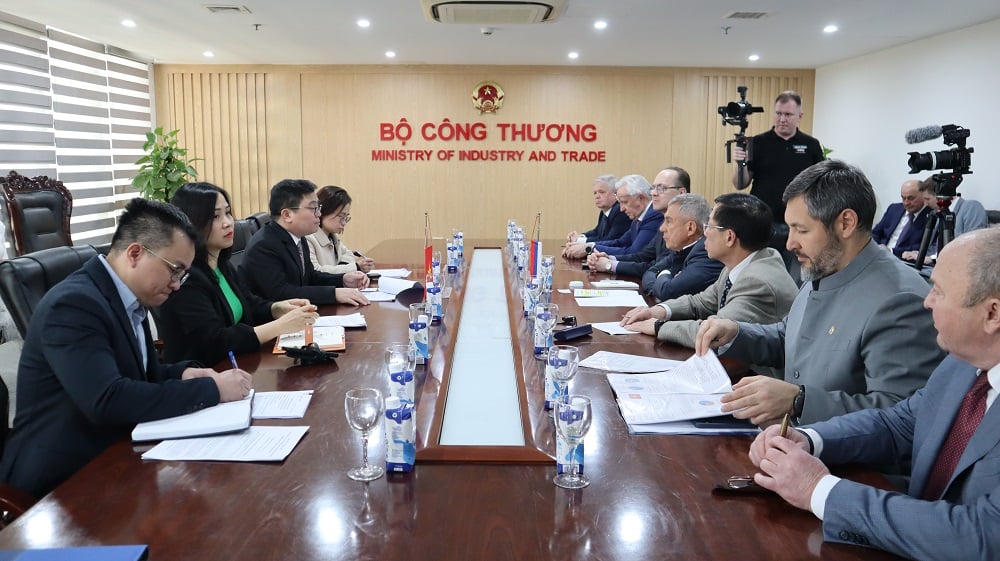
(232,360)
(784,424)
(359,254)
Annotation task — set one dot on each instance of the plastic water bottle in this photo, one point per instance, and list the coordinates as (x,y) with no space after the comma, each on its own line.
(434,303)
(460,239)
(400,436)
(400,360)
(419,333)
(452,256)
(564,453)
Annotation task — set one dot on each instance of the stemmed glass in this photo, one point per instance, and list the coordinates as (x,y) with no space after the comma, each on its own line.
(573,418)
(364,408)
(560,367)
(546,316)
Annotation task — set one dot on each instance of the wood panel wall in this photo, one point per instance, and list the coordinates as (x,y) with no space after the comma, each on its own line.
(257,125)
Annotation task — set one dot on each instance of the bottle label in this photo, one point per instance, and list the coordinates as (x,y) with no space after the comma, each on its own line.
(400,438)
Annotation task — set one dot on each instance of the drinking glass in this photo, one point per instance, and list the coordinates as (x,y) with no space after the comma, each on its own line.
(436,262)
(573,418)
(546,316)
(547,269)
(364,408)
(562,363)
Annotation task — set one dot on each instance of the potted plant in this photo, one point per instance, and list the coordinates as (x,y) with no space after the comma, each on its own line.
(164,168)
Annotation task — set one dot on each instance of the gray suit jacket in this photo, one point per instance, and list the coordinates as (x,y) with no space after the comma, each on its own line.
(763,294)
(862,339)
(962,525)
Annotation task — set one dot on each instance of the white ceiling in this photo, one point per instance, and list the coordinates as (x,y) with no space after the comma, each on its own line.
(639,32)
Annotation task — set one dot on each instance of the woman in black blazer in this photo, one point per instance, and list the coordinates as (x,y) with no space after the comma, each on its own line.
(213,312)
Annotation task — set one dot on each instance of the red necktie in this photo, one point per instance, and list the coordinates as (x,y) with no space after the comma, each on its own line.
(970,414)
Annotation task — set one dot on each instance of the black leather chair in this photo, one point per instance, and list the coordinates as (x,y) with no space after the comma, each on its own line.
(993,217)
(242,231)
(24,280)
(261,218)
(38,212)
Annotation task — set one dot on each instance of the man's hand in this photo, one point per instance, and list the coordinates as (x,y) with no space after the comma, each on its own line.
(366,264)
(356,279)
(759,447)
(739,154)
(572,236)
(192,373)
(233,384)
(641,313)
(645,326)
(714,333)
(575,251)
(760,399)
(282,307)
(789,470)
(350,296)
(599,264)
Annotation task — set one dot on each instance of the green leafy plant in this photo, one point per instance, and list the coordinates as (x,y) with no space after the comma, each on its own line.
(826,152)
(164,168)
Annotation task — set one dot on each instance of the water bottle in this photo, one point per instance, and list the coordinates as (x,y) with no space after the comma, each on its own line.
(452,256)
(434,303)
(419,333)
(400,361)
(564,454)
(529,295)
(460,238)
(400,436)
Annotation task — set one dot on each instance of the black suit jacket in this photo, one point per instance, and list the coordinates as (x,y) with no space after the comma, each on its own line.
(610,227)
(691,271)
(272,270)
(635,264)
(196,322)
(81,385)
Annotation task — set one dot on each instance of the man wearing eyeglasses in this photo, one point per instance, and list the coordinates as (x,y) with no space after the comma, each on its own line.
(88,372)
(776,157)
(277,263)
(634,196)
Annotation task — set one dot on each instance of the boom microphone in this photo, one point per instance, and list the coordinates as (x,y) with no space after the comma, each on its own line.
(923,133)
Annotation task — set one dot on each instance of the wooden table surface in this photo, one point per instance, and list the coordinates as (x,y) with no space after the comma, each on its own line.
(649,497)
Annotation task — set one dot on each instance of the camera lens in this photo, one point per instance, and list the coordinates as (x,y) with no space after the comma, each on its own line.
(918,162)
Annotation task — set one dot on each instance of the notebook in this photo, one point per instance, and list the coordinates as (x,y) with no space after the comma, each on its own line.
(328,337)
(224,417)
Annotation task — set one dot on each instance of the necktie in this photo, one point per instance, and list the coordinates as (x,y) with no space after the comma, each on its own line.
(970,413)
(302,259)
(906,228)
(725,293)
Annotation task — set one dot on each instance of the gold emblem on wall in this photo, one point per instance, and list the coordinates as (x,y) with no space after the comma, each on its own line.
(487,97)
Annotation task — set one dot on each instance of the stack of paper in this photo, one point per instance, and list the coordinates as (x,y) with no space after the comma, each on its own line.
(391,273)
(614,284)
(587,298)
(329,338)
(257,444)
(667,402)
(224,417)
(620,362)
(281,405)
(356,319)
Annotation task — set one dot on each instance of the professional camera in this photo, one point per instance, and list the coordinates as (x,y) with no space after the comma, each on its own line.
(958,159)
(735,113)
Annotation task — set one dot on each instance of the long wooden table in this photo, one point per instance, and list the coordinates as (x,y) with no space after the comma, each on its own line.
(649,497)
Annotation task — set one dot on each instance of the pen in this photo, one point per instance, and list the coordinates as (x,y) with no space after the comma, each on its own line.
(359,254)
(232,360)
(784,425)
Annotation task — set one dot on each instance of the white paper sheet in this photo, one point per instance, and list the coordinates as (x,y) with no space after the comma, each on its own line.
(394,286)
(392,273)
(224,417)
(256,444)
(614,284)
(686,427)
(620,362)
(374,295)
(612,328)
(281,405)
(608,298)
(328,336)
(356,319)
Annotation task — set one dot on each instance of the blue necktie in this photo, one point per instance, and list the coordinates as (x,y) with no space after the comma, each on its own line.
(725,293)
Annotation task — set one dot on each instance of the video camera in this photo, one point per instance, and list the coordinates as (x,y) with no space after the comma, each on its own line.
(735,113)
(958,159)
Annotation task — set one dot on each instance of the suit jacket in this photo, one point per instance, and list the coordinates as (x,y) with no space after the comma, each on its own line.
(909,238)
(272,270)
(861,339)
(969,215)
(610,227)
(196,322)
(962,525)
(81,385)
(763,293)
(638,235)
(329,254)
(635,264)
(690,272)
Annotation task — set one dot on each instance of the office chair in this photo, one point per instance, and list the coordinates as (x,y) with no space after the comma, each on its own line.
(261,218)
(243,230)
(38,212)
(24,280)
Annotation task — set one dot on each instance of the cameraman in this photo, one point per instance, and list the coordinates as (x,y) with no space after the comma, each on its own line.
(778,155)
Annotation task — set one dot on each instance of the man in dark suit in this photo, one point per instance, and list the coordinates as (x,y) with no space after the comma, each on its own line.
(88,372)
(687,269)
(611,221)
(634,196)
(950,430)
(902,225)
(276,264)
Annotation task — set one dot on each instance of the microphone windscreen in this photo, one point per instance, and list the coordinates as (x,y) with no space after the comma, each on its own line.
(921,134)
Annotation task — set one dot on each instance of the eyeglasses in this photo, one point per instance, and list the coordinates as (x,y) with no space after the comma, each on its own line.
(344,218)
(663,188)
(178,273)
(317,210)
(706,226)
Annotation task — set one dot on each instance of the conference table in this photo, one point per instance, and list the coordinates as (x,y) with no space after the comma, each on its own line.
(650,497)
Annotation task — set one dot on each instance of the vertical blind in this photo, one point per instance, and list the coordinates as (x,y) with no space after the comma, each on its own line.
(76,110)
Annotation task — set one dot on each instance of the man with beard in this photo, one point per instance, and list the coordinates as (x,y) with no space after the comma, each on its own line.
(857,335)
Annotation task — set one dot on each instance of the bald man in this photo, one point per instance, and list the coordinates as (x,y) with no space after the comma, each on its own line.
(902,225)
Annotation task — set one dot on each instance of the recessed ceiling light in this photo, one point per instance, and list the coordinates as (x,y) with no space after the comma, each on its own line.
(573,55)
(128,23)
(753,58)
(363,23)
(600,24)
(830,29)
(208,54)
(390,54)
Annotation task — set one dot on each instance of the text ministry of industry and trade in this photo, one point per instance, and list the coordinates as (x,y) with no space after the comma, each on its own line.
(447,131)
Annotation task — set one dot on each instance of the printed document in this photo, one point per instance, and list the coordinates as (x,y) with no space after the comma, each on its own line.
(612,328)
(356,319)
(224,417)
(256,444)
(587,298)
(620,362)
(281,405)
(391,273)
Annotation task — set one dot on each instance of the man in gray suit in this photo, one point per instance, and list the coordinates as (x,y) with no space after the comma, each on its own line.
(857,335)
(950,429)
(753,286)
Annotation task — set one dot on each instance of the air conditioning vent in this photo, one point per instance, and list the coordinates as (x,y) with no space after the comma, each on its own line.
(227,9)
(493,12)
(746,15)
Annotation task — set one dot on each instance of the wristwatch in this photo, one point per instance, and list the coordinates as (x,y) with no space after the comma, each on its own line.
(607,267)
(799,402)
(657,325)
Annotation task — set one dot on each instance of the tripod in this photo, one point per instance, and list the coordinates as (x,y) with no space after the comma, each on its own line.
(946,217)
